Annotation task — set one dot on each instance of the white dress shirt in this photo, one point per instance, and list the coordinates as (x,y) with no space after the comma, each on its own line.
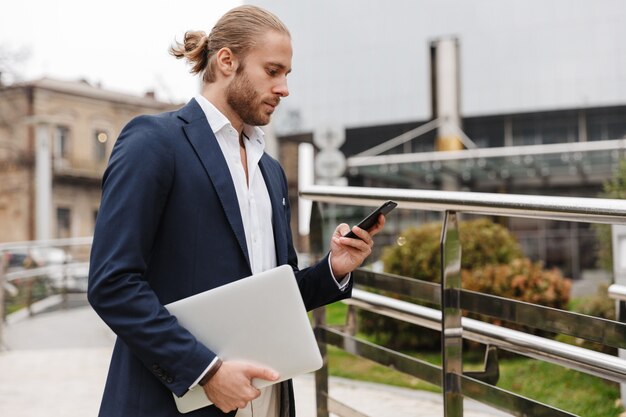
(256,214)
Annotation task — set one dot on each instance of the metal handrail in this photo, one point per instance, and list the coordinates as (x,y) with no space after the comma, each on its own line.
(617,292)
(593,210)
(44,270)
(613,145)
(7,277)
(448,320)
(28,244)
(574,357)
(595,329)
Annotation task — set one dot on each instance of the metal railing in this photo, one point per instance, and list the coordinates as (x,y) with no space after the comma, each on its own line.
(451,299)
(59,275)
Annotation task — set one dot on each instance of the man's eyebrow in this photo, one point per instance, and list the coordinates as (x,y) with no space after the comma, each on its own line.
(281,66)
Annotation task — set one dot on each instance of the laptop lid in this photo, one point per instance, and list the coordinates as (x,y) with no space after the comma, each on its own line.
(260,319)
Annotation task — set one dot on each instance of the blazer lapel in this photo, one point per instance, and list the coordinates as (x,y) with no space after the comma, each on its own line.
(202,139)
(273,181)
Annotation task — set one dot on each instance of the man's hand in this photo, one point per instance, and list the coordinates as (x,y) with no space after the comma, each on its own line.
(348,253)
(231,386)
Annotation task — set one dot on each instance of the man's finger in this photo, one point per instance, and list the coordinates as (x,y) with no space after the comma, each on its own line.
(365,237)
(378,226)
(342,229)
(262,373)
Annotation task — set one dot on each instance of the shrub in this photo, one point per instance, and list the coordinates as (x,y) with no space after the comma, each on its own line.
(483,243)
(491,262)
(597,305)
(521,279)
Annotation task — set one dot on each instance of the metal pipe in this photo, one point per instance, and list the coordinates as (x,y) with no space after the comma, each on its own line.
(6,278)
(502,152)
(44,270)
(584,360)
(399,140)
(321,375)
(72,241)
(3,282)
(598,210)
(617,292)
(451,327)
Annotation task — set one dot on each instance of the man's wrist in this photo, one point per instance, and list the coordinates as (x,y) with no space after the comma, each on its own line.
(211,372)
(342,282)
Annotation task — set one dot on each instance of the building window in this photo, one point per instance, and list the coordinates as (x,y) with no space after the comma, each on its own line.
(101,137)
(61,142)
(538,129)
(485,132)
(63,222)
(606,124)
(525,134)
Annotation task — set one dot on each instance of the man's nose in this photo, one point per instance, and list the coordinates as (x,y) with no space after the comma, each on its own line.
(281,88)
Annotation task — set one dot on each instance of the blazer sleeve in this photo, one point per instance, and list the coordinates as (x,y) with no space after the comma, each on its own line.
(134,194)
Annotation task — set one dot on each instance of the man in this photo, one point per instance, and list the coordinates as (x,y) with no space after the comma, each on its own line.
(190,202)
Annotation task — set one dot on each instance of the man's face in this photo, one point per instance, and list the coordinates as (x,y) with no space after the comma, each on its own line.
(261,79)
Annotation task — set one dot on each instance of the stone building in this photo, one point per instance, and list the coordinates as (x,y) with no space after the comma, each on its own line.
(55,140)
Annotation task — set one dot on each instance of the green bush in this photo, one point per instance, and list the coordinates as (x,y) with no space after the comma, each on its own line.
(483,243)
(597,305)
(491,261)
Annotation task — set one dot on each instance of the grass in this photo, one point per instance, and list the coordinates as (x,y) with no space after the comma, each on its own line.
(572,391)
(20,300)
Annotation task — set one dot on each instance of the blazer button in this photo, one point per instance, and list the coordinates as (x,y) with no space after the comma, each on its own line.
(155,367)
(170,379)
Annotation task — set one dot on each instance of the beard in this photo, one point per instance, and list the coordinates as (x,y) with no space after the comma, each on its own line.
(246,101)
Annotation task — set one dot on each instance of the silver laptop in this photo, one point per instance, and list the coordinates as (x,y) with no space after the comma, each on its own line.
(260,319)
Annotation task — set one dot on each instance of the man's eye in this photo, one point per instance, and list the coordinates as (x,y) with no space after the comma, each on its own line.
(272,72)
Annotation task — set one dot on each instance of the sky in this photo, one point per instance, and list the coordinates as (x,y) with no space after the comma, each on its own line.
(517,55)
(122,45)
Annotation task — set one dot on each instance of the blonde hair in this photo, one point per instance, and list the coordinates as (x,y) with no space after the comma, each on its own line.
(239,30)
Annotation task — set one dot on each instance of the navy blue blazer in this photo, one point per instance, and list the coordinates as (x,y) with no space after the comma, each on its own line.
(169,226)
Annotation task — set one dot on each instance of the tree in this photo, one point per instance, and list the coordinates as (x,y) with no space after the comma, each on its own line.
(10,61)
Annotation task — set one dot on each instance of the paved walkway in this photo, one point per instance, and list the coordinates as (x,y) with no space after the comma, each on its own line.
(55,365)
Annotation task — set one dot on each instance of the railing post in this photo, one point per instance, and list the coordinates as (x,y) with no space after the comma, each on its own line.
(351,321)
(618,240)
(3,270)
(321,376)
(451,327)
(64,278)
(29,295)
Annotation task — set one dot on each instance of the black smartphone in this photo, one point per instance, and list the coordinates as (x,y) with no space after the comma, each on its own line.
(372,218)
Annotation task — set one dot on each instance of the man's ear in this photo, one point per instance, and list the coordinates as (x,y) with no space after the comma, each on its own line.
(227,62)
